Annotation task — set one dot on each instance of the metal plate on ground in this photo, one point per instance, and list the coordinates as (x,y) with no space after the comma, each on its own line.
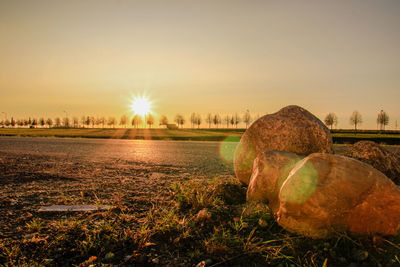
(63,208)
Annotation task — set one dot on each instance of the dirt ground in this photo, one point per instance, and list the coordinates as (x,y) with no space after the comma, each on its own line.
(29,180)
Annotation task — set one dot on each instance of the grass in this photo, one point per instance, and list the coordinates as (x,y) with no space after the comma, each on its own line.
(389,137)
(127,133)
(204,220)
(367,135)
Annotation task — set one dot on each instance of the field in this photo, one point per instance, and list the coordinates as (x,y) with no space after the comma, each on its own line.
(339,136)
(180,210)
(126,133)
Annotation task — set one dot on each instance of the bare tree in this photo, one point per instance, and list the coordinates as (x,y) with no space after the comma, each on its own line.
(75,122)
(49,122)
(87,121)
(83,121)
(382,120)
(34,122)
(198,120)
(163,120)
(247,118)
(331,119)
(227,120)
(179,119)
(355,119)
(193,119)
(232,120)
(57,122)
(92,121)
(150,120)
(124,120)
(112,121)
(216,120)
(66,122)
(136,120)
(42,122)
(103,121)
(97,122)
(236,119)
(209,119)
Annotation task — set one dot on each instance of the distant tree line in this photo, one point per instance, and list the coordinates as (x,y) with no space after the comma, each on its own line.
(196,120)
(355,119)
(212,121)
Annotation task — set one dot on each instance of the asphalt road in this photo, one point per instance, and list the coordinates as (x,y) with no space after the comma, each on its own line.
(204,156)
(36,172)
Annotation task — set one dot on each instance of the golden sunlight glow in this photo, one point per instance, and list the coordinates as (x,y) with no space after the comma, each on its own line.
(141,105)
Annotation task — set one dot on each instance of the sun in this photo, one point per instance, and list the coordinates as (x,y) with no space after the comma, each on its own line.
(141,105)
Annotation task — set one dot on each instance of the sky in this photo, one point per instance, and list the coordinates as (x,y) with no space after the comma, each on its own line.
(93,57)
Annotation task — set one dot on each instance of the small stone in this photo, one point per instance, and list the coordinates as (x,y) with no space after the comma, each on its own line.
(203,216)
(109,256)
(332,253)
(29,236)
(231,194)
(360,255)
(262,223)
(204,263)
(142,258)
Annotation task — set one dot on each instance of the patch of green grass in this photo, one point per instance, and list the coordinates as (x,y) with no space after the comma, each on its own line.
(186,134)
(366,135)
(128,133)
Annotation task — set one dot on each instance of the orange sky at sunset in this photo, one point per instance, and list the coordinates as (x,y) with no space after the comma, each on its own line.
(92,57)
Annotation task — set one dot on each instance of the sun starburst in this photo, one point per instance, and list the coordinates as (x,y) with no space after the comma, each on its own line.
(141,105)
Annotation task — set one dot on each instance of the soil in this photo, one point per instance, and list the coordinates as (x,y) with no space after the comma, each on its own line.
(29,180)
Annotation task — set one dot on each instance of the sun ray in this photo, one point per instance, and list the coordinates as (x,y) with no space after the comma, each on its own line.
(141,105)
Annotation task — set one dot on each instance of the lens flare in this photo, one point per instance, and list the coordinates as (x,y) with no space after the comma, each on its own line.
(300,184)
(227,148)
